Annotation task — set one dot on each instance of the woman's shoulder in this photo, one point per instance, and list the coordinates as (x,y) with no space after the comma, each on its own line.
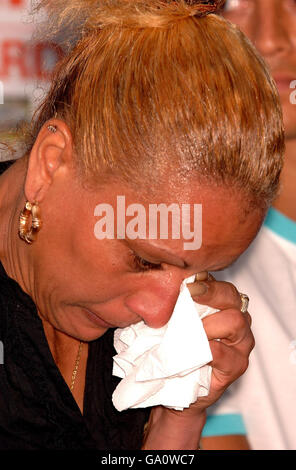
(14,304)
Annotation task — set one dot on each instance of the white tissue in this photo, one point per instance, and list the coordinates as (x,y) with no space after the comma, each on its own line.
(164,366)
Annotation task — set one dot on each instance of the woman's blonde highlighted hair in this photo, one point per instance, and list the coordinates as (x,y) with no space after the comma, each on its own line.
(147,84)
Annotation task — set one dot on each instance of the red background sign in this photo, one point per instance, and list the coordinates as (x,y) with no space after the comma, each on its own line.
(25,65)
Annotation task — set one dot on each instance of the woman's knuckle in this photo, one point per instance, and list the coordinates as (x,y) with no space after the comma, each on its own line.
(249,318)
(244,365)
(238,322)
(252,342)
(232,289)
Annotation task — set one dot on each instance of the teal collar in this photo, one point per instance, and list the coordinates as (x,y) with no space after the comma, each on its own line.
(281,225)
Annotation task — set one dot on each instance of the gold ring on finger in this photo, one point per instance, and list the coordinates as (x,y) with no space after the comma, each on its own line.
(244,302)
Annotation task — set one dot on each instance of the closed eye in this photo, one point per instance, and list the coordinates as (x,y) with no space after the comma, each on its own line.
(141,264)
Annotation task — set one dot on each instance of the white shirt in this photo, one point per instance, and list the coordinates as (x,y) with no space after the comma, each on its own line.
(265,396)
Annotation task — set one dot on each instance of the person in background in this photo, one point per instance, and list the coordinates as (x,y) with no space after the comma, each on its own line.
(260,408)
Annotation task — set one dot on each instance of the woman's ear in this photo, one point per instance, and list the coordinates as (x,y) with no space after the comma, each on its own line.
(51,154)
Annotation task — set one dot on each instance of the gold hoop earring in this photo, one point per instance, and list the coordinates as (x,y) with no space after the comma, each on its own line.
(26,233)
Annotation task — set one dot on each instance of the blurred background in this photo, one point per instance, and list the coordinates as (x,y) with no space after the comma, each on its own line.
(25,66)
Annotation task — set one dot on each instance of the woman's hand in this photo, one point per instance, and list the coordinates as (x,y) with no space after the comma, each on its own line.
(231,326)
(171,429)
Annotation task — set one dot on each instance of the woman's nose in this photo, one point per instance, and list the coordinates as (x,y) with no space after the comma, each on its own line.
(155,308)
(270,29)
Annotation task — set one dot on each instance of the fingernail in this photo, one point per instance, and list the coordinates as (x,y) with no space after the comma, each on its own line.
(202,276)
(200,288)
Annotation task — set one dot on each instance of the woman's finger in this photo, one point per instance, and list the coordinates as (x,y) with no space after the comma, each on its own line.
(228,364)
(230,326)
(217,294)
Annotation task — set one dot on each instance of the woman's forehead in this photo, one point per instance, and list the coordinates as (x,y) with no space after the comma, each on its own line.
(176,222)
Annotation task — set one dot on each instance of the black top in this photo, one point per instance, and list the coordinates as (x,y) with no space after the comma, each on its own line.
(37,409)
